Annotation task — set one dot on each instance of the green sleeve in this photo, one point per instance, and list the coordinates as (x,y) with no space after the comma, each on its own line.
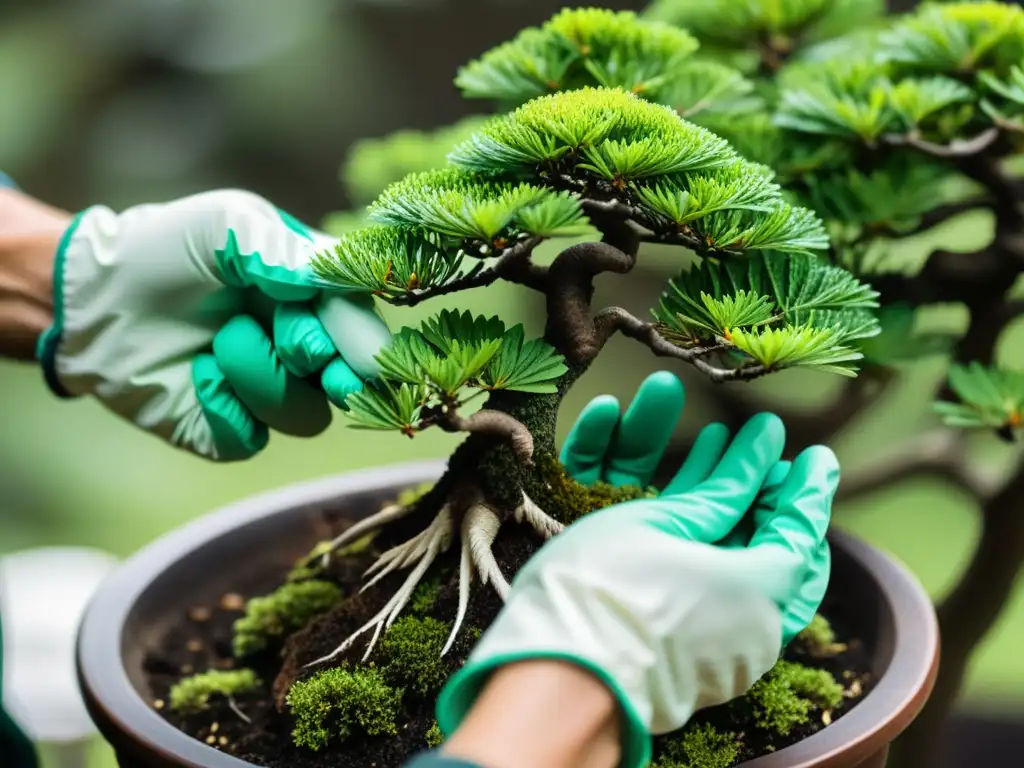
(437,760)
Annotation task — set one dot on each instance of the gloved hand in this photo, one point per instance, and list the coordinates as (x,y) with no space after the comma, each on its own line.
(201,321)
(640,595)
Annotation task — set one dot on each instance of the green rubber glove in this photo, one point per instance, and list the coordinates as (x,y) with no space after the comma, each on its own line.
(643,594)
(201,321)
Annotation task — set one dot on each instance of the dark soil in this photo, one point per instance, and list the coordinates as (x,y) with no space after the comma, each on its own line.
(202,641)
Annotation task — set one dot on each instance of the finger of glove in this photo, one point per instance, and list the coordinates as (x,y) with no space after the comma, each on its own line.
(357,330)
(279,399)
(237,435)
(589,439)
(645,430)
(715,506)
(706,452)
(799,611)
(301,341)
(339,382)
(799,518)
(740,536)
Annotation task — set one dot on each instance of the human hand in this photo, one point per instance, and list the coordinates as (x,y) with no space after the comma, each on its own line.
(639,594)
(201,321)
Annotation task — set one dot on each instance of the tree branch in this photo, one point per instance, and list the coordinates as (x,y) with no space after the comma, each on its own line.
(941,453)
(513,265)
(570,328)
(967,615)
(613,319)
(496,423)
(955,149)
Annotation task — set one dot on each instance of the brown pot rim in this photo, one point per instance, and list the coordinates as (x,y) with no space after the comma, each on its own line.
(122,716)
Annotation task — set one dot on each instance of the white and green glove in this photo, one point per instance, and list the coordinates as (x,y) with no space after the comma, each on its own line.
(201,321)
(658,597)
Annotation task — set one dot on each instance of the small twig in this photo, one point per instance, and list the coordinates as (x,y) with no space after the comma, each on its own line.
(613,319)
(496,423)
(513,265)
(955,149)
(941,453)
(234,708)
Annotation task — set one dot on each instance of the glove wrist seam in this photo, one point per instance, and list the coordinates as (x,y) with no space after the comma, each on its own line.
(49,341)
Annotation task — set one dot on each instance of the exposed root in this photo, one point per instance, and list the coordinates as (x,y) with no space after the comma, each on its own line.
(425,548)
(479,528)
(372,523)
(537,518)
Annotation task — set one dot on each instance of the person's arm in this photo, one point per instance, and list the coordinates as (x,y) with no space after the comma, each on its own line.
(510,725)
(30,232)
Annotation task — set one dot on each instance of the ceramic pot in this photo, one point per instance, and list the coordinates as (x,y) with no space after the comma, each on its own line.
(216,554)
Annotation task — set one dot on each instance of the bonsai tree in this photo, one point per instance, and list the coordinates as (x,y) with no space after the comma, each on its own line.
(596,151)
(887,127)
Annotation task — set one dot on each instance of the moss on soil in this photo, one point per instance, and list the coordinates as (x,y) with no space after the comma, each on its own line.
(193,694)
(287,609)
(335,703)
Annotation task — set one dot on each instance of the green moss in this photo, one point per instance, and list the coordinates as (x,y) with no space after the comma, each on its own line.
(280,613)
(703,747)
(193,694)
(434,736)
(425,595)
(817,685)
(819,638)
(783,698)
(410,653)
(573,500)
(311,566)
(336,702)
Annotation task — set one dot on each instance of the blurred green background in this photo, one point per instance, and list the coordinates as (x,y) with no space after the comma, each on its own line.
(124,101)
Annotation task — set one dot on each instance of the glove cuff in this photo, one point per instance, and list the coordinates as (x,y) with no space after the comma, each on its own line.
(465,686)
(49,341)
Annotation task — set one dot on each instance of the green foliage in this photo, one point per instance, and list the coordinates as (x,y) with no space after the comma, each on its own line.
(1004,102)
(192,694)
(701,747)
(779,310)
(287,609)
(958,38)
(434,736)
(989,398)
(410,653)
(571,499)
(388,261)
(335,703)
(785,697)
(443,363)
(411,496)
(373,164)
(784,24)
(581,47)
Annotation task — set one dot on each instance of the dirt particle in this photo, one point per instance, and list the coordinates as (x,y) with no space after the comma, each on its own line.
(199,613)
(211,739)
(215,727)
(223,741)
(232,601)
(158,704)
(194,645)
(187,669)
(826,717)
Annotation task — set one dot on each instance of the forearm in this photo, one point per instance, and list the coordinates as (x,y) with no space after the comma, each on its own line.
(542,714)
(29,235)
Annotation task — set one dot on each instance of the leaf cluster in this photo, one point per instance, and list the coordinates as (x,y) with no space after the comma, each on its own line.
(271,617)
(989,398)
(684,181)
(428,373)
(776,311)
(602,48)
